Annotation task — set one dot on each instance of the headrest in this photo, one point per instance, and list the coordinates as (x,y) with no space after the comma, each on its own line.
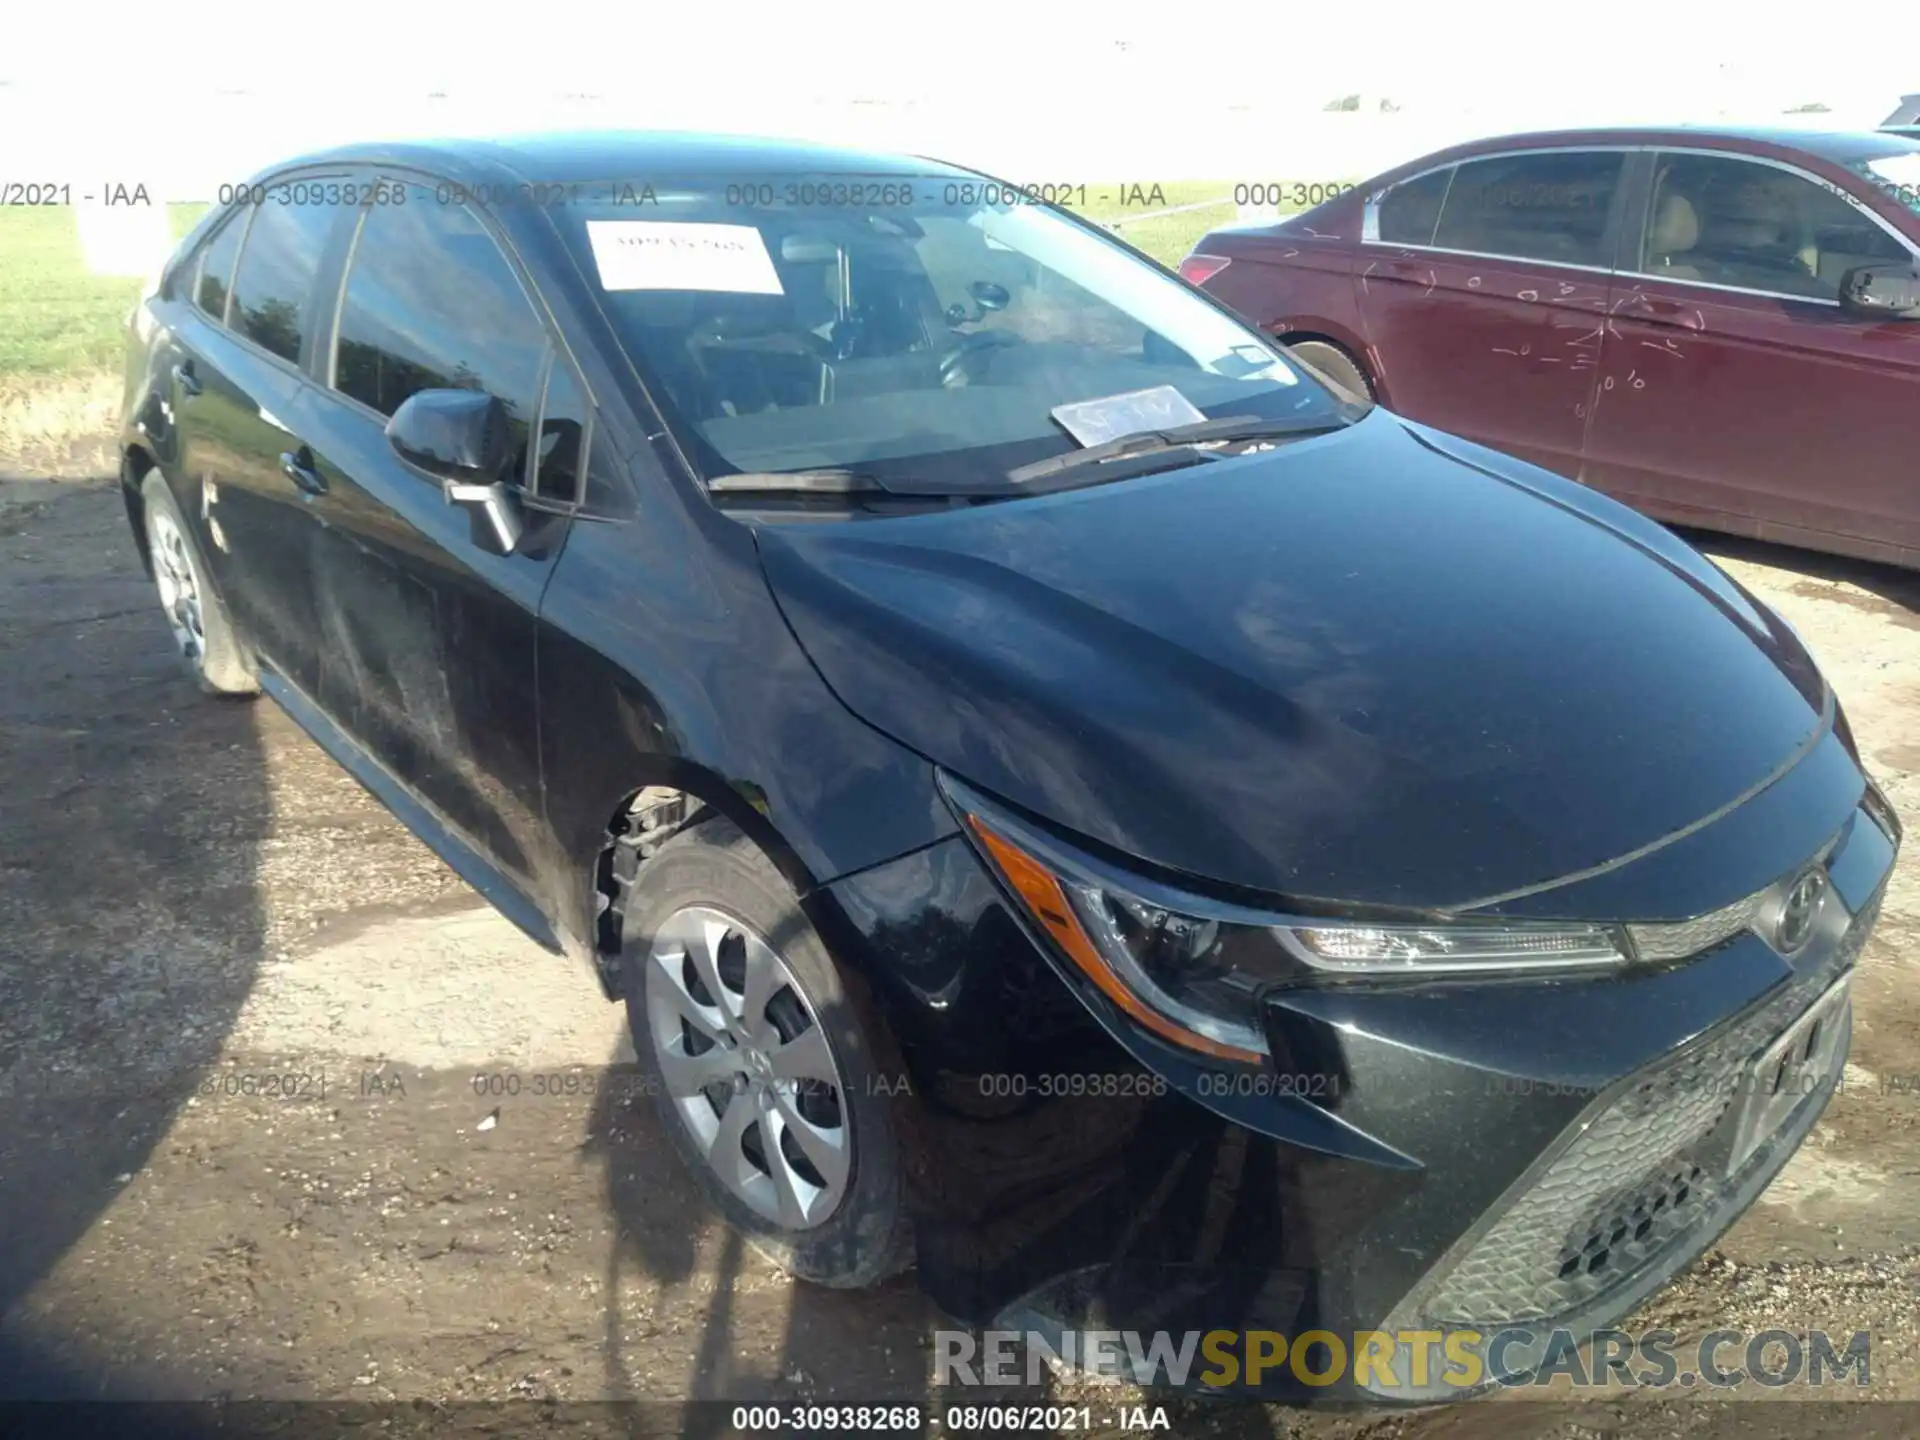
(1676,226)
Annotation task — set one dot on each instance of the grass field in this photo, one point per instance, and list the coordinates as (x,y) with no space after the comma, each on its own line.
(55,317)
(62,338)
(1167,238)
(62,329)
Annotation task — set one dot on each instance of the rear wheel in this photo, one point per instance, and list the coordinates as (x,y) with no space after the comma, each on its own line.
(201,630)
(1336,364)
(765,1075)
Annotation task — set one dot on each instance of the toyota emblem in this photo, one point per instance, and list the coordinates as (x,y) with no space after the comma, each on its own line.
(1795,924)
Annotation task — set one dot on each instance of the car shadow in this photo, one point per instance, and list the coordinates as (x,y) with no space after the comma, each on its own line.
(1899,588)
(130,926)
(759,1336)
(744,1332)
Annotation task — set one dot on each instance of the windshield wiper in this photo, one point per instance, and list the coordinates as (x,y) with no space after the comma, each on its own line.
(829,481)
(1148,442)
(837,488)
(835,482)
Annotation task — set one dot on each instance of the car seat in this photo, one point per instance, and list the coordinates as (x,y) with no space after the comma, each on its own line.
(1672,236)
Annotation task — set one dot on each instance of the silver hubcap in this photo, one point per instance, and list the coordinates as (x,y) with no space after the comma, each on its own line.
(748,1067)
(179,590)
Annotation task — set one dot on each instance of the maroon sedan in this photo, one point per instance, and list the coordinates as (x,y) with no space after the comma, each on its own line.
(1708,324)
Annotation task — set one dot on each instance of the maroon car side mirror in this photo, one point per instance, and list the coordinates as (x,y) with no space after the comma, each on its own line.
(1881,292)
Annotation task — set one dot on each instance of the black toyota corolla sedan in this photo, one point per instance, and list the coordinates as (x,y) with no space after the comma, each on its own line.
(1069,799)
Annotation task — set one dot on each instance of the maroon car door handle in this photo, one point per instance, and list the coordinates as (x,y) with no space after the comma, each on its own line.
(1676,312)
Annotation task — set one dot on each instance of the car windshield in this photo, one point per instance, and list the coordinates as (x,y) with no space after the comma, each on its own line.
(1897,175)
(1884,159)
(902,325)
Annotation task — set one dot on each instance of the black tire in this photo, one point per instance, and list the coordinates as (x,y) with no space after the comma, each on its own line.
(868,1236)
(1335,364)
(216,660)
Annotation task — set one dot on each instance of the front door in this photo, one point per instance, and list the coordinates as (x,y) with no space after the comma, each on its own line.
(428,635)
(1484,289)
(1735,392)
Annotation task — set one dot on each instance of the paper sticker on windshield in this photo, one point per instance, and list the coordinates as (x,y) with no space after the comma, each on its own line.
(669,255)
(1245,361)
(1094,422)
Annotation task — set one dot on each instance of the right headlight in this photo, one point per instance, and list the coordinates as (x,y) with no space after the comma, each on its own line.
(1192,969)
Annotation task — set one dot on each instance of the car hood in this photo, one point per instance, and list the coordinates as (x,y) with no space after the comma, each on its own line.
(1381,666)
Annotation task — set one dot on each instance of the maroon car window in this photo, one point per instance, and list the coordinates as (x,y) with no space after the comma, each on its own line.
(1720,220)
(1545,205)
(1409,211)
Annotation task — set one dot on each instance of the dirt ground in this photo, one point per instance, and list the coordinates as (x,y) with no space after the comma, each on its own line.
(244,1152)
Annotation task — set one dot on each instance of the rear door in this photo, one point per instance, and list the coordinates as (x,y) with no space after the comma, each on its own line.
(428,638)
(1735,392)
(1484,289)
(236,387)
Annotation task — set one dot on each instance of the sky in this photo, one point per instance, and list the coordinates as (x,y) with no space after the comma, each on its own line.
(1116,90)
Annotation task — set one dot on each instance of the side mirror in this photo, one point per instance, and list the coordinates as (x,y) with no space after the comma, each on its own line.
(1881,292)
(462,436)
(989,296)
(454,434)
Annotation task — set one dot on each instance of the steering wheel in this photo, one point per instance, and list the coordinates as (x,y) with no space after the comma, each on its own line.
(953,363)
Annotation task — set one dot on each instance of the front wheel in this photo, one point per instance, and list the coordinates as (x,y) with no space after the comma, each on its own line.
(201,630)
(1332,363)
(765,1076)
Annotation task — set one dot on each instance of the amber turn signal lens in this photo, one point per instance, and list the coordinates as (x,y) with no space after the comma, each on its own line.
(1047,903)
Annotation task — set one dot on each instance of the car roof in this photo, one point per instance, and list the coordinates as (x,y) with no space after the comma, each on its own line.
(633,156)
(1836,145)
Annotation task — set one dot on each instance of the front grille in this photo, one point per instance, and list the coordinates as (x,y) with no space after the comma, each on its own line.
(1680,939)
(1633,1225)
(1646,1170)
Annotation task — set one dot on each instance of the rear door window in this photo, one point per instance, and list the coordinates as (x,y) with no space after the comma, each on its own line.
(278,265)
(432,303)
(1546,205)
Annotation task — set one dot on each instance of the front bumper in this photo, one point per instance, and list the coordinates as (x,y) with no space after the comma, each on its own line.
(1641,1183)
(1503,1159)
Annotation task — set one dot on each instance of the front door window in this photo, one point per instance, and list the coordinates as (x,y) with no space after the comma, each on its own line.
(1722,220)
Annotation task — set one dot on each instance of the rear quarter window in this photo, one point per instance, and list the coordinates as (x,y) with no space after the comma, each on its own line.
(1410,210)
(208,278)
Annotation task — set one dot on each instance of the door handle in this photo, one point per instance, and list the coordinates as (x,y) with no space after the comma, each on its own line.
(1687,317)
(184,377)
(298,467)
